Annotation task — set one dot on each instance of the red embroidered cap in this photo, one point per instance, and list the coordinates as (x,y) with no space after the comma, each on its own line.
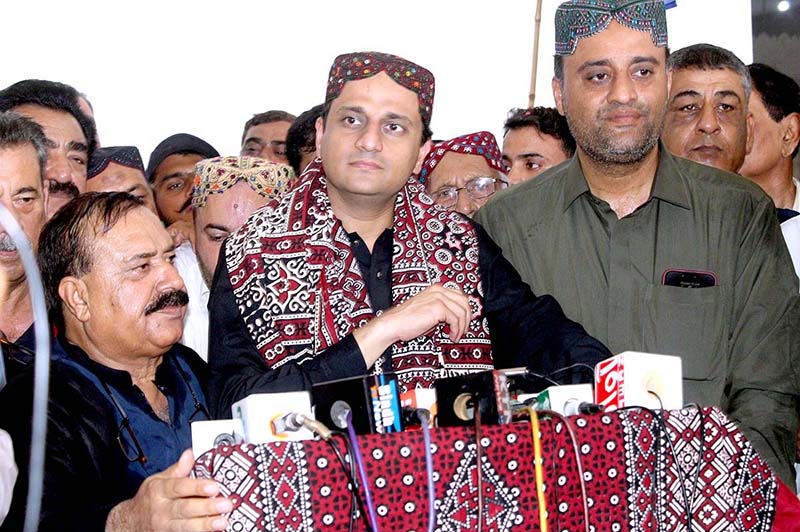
(481,143)
(362,65)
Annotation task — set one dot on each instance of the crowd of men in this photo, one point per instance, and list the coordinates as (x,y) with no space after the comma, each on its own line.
(654,209)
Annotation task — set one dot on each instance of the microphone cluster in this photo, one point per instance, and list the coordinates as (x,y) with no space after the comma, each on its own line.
(373,404)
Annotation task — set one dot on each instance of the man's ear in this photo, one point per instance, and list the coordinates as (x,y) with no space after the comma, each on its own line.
(74,298)
(750,133)
(424,150)
(791,134)
(556,84)
(319,126)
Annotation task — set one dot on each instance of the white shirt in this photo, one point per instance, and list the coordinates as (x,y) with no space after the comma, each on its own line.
(195,324)
(791,234)
(796,204)
(8,473)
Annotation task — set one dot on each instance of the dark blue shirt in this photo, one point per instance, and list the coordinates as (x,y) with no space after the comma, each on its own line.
(87,471)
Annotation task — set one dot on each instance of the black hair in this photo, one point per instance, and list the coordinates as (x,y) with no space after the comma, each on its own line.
(16,130)
(66,244)
(53,95)
(779,93)
(547,121)
(267,117)
(301,137)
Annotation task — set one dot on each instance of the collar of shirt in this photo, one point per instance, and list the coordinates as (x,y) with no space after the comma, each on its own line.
(164,378)
(796,204)
(668,184)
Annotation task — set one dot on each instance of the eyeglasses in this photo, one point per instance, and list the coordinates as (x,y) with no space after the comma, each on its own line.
(478,188)
(133,451)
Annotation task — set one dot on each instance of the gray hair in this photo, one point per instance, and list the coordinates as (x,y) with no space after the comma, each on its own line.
(705,56)
(16,131)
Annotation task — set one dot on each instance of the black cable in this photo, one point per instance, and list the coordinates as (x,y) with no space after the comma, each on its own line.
(531,375)
(578,463)
(662,426)
(478,459)
(573,366)
(351,479)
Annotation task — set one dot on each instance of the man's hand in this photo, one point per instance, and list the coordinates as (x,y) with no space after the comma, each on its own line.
(172,502)
(415,317)
(181,231)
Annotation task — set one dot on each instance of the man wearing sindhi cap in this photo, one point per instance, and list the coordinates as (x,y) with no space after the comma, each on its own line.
(649,251)
(299,289)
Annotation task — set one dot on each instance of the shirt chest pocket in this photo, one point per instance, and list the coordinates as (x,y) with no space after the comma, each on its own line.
(687,322)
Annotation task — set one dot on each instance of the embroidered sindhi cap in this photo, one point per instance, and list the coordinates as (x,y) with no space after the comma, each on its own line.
(124,155)
(481,143)
(362,65)
(577,19)
(215,176)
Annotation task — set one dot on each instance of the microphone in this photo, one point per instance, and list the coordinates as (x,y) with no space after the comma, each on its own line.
(574,407)
(639,379)
(568,399)
(339,412)
(268,417)
(291,422)
(373,402)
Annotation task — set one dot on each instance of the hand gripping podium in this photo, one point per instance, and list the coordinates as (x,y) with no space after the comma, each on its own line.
(640,472)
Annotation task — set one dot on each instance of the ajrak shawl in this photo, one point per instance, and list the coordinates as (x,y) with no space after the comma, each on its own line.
(299,289)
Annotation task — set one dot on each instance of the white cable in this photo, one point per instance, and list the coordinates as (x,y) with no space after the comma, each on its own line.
(41,368)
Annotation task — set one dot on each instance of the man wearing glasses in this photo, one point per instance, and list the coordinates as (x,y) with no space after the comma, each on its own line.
(461,174)
(124,393)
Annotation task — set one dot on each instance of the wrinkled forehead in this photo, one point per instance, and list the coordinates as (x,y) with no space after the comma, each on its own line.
(708,83)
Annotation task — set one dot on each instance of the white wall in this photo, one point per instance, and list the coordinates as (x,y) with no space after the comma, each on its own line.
(153,68)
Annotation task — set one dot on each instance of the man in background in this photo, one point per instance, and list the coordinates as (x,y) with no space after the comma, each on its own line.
(462,173)
(119,169)
(170,172)
(775,106)
(708,120)
(534,140)
(70,134)
(23,155)
(301,146)
(264,136)
(226,191)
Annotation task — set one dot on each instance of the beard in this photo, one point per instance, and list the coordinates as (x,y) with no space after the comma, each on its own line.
(609,148)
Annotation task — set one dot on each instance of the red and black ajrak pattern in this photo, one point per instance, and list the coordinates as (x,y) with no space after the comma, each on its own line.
(630,475)
(299,288)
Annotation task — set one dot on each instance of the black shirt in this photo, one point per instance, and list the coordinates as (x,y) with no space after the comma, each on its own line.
(526,330)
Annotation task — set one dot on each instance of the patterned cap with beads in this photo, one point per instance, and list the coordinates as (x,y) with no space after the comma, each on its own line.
(577,19)
(481,143)
(362,65)
(216,175)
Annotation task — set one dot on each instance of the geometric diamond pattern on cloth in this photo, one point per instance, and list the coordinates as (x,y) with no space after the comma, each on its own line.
(725,483)
(630,476)
(267,484)
(459,509)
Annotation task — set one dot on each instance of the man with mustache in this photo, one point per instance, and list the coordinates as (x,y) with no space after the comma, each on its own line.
(356,270)
(708,120)
(649,251)
(70,134)
(22,161)
(124,392)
